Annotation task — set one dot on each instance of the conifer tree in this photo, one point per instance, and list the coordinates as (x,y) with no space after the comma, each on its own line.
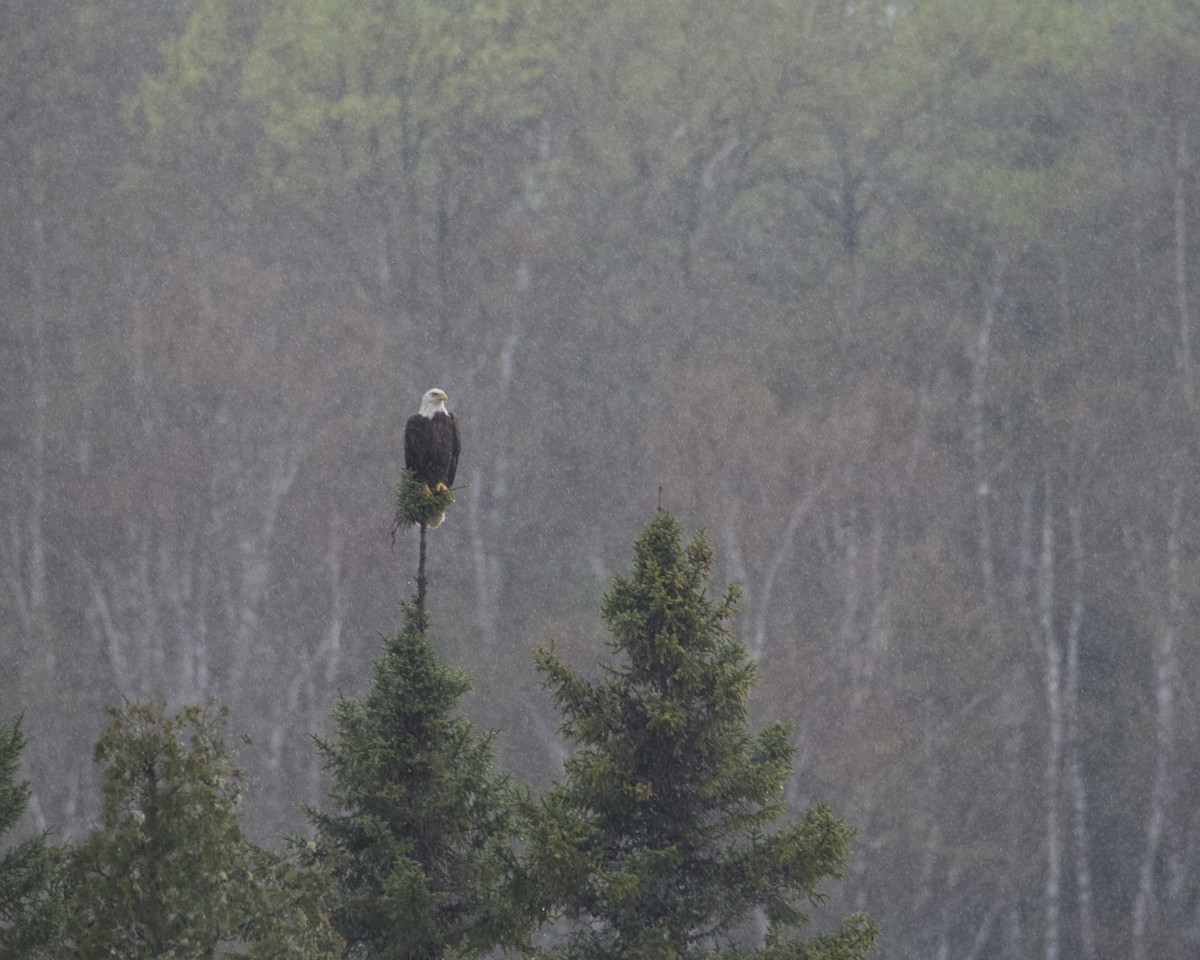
(30,892)
(658,843)
(420,840)
(167,871)
(290,919)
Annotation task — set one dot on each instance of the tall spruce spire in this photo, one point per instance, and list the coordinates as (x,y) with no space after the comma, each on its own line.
(420,832)
(665,835)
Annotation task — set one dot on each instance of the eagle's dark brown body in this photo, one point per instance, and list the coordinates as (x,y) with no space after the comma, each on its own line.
(431,446)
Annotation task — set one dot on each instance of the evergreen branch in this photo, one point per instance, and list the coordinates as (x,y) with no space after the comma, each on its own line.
(416,503)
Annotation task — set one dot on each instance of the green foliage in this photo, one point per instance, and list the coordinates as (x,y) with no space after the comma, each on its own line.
(419,840)
(417,503)
(31,902)
(355,94)
(658,842)
(167,871)
(1002,145)
(188,115)
(292,917)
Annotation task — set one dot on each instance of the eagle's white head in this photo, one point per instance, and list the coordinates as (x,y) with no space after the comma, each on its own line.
(433,402)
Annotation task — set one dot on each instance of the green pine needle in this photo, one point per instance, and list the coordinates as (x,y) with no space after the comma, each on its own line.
(414,505)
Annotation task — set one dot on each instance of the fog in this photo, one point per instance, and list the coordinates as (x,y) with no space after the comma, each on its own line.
(895,301)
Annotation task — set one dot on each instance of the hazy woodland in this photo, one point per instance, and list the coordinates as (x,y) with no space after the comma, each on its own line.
(895,300)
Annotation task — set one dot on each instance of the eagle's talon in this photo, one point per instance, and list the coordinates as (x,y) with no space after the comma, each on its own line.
(428,492)
(441,488)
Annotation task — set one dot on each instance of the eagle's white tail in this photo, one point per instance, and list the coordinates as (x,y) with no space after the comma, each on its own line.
(434,522)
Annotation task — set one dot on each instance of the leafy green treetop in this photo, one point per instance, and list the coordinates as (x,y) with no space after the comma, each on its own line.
(30,894)
(167,871)
(291,918)
(657,843)
(420,842)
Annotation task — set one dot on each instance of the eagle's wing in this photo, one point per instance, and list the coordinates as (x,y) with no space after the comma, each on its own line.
(454,448)
(411,430)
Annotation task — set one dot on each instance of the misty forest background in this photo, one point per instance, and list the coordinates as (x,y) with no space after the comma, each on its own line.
(896,300)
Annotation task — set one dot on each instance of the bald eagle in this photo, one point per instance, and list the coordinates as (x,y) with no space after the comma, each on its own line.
(431,445)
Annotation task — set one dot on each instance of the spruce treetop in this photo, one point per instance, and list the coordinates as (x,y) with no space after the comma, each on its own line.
(416,503)
(662,839)
(419,838)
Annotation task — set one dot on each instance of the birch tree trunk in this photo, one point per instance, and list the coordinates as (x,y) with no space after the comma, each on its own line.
(800,512)
(1182,167)
(260,510)
(1054,739)
(1075,779)
(1015,709)
(1166,678)
(980,358)
(23,548)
